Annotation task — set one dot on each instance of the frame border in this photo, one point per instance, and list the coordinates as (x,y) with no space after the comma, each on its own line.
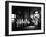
(7,14)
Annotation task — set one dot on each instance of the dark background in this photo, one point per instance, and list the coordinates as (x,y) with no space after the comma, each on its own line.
(20,11)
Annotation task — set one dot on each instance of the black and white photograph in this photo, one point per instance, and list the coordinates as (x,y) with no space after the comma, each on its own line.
(24,18)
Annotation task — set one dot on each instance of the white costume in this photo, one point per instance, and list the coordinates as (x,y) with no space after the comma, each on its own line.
(35,17)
